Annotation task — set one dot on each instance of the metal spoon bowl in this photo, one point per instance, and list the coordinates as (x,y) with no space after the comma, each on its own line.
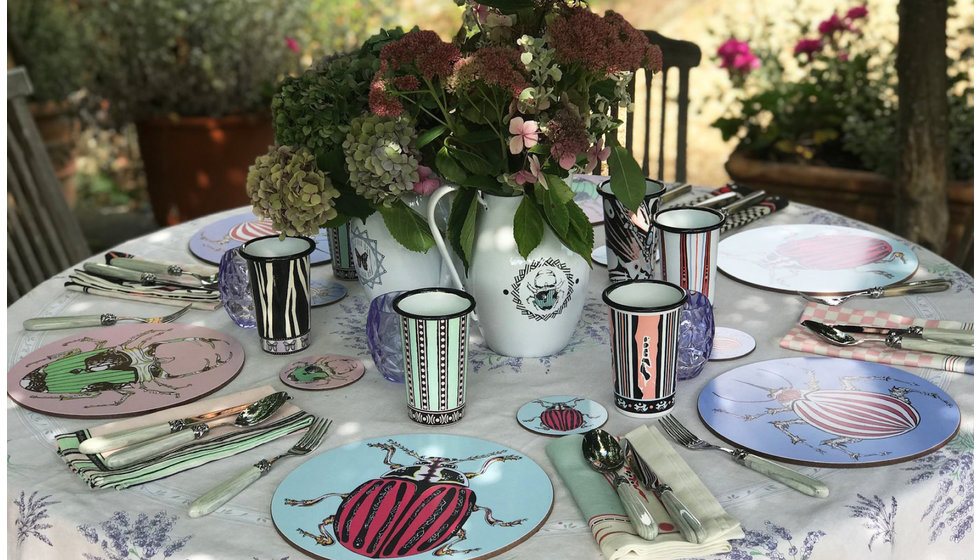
(841,338)
(604,454)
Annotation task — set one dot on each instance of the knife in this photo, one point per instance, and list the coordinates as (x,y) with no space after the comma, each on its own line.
(675,192)
(158,267)
(144,278)
(958,336)
(744,202)
(688,524)
(116,440)
(716,200)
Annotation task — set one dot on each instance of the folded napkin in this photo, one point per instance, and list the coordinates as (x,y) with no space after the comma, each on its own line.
(800,338)
(759,210)
(599,503)
(221,442)
(178,296)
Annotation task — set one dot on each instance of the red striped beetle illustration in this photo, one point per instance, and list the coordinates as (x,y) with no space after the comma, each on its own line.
(849,414)
(560,416)
(408,510)
(838,252)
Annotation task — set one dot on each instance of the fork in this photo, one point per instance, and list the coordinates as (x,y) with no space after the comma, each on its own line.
(104,320)
(775,471)
(233,486)
(917,287)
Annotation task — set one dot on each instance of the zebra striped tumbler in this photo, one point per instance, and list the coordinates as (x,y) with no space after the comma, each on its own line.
(279,273)
(689,247)
(644,328)
(435,340)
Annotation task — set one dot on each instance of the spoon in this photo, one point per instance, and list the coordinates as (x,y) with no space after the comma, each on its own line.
(893,340)
(917,287)
(255,413)
(604,454)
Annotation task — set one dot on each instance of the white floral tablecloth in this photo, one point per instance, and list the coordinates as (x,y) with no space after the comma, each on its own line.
(921,508)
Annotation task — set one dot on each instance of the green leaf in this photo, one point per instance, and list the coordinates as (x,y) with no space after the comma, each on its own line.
(407,227)
(473,163)
(559,188)
(528,227)
(553,206)
(351,204)
(429,135)
(448,168)
(332,163)
(580,237)
(626,178)
(462,224)
(508,6)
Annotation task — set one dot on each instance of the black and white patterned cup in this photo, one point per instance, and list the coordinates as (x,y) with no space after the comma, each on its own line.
(631,239)
(279,274)
(644,329)
(435,324)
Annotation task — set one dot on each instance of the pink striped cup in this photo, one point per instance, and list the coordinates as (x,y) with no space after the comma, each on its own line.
(689,247)
(644,327)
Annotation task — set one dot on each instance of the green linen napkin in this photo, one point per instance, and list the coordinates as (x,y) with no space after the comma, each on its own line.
(597,500)
(221,442)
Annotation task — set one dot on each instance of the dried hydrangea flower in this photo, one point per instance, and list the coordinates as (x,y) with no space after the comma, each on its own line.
(286,186)
(380,158)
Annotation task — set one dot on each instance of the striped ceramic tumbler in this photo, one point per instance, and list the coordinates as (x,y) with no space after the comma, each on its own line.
(689,247)
(644,327)
(279,273)
(435,322)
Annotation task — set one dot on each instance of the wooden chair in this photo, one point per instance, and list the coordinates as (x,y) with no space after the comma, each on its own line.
(678,58)
(43,236)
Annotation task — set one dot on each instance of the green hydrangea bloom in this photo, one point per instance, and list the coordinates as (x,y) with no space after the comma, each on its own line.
(286,186)
(380,158)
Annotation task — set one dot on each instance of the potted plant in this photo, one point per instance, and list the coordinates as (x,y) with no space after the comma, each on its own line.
(517,101)
(43,38)
(197,79)
(816,119)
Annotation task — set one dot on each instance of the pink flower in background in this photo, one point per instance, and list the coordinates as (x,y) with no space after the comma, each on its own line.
(809,47)
(596,154)
(525,134)
(292,44)
(832,25)
(843,57)
(427,181)
(857,12)
(736,56)
(480,11)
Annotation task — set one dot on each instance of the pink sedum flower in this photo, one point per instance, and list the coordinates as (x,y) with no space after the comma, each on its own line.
(857,12)
(427,181)
(525,134)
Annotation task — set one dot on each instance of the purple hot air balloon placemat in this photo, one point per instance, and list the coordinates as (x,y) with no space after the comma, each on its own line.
(829,412)
(421,495)
(125,370)
(211,241)
(815,258)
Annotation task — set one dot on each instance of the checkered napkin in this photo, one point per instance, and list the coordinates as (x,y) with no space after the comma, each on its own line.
(221,442)
(766,206)
(597,500)
(801,339)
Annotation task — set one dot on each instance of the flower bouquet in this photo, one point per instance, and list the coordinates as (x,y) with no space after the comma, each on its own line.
(519,99)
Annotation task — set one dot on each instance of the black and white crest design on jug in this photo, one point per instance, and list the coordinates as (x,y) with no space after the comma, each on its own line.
(368,260)
(543,288)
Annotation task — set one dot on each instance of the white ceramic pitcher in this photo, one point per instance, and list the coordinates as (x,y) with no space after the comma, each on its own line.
(384,265)
(526,307)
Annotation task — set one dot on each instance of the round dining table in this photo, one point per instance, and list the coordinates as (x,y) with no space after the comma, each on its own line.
(921,507)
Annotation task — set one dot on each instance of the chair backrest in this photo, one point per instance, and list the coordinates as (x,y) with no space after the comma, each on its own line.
(43,236)
(678,58)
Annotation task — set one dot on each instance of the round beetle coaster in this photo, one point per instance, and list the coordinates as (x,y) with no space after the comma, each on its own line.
(562,415)
(325,293)
(729,344)
(318,373)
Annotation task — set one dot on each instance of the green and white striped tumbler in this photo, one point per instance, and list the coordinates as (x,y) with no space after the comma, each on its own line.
(435,325)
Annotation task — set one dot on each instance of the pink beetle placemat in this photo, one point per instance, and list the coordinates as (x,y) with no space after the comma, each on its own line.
(799,338)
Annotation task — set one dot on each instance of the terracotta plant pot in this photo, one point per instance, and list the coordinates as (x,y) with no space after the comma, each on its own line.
(197,165)
(862,195)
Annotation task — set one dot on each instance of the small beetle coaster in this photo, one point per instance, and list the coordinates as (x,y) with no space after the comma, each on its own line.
(562,415)
(729,344)
(325,293)
(320,373)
